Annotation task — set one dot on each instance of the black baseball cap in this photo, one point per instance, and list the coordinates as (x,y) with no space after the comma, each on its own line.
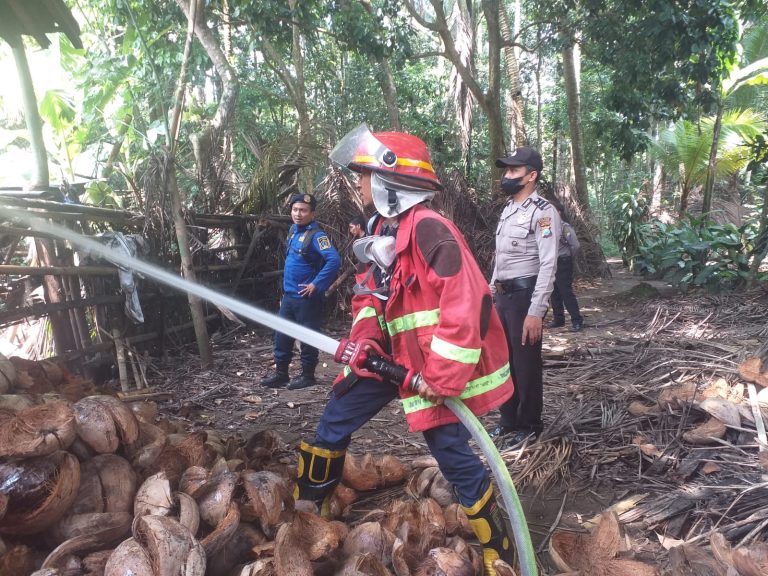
(305,198)
(523,156)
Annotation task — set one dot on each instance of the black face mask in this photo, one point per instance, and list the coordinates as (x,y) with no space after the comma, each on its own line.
(512,186)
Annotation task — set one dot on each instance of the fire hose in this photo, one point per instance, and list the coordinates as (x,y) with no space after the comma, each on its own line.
(372,359)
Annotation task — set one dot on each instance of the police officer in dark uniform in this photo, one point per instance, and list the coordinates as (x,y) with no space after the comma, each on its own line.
(527,240)
(311,266)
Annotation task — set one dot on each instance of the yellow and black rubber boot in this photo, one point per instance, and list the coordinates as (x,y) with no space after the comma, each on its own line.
(489,527)
(319,471)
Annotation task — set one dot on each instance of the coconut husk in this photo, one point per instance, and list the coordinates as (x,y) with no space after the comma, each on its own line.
(95,425)
(421,481)
(7,375)
(264,567)
(341,501)
(237,550)
(364,565)
(75,525)
(118,482)
(503,569)
(318,537)
(441,491)
(172,550)
(445,561)
(371,473)
(74,388)
(456,521)
(15,402)
(399,562)
(461,547)
(637,408)
(424,462)
(215,500)
(677,396)
(267,499)
(89,496)
(193,480)
(595,554)
(723,410)
(129,558)
(154,497)
(145,409)
(54,481)
(706,433)
(370,538)
(432,529)
(752,370)
(174,459)
(223,532)
(37,430)
(31,375)
(290,558)
(88,533)
(151,443)
(264,442)
(189,514)
(125,421)
(19,559)
(94,563)
(3,508)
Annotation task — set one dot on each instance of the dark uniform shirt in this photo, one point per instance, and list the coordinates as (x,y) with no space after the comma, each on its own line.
(320,266)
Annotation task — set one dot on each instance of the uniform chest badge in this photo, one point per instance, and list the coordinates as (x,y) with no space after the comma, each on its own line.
(301,238)
(545,224)
(324,242)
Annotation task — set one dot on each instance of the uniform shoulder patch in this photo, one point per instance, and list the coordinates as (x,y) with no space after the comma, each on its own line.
(541,203)
(323,242)
(545,224)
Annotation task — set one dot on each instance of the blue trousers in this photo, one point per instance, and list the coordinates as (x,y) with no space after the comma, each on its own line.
(449,443)
(307,312)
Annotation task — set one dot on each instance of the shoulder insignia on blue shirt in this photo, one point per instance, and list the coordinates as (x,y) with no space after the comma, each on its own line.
(323,242)
(540,203)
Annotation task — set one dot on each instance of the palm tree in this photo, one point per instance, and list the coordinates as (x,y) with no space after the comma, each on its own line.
(684,148)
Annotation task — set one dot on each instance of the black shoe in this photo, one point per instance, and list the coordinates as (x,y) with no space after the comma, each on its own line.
(498,431)
(556,324)
(276,380)
(519,437)
(577,325)
(302,381)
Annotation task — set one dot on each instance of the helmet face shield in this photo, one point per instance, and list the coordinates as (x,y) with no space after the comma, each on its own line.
(359,147)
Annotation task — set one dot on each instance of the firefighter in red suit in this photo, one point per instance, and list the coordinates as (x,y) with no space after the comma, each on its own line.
(424,300)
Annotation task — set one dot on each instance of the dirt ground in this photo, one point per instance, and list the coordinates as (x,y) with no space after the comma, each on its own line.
(230,399)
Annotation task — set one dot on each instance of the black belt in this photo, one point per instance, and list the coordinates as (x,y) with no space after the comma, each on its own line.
(507,286)
(566,257)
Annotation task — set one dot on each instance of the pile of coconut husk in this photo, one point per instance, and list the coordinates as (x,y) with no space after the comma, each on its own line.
(91,485)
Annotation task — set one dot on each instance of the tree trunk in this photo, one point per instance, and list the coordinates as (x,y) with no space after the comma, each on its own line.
(389,91)
(709,185)
(300,95)
(205,142)
(31,114)
(517,105)
(187,271)
(571,72)
(497,146)
(63,337)
(539,141)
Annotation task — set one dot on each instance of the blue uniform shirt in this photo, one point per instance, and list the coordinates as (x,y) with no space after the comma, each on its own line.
(320,267)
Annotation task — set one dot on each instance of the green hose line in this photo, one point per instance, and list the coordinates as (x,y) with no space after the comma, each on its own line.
(528,566)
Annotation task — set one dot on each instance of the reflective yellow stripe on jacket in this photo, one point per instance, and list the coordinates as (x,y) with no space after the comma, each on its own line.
(474,388)
(369,312)
(453,352)
(413,321)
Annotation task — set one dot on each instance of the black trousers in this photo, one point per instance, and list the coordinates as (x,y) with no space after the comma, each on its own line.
(523,410)
(562,293)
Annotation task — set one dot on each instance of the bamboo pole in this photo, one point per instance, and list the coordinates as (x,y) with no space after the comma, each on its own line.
(120,353)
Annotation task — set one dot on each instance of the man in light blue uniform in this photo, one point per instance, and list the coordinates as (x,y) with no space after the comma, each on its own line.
(311,266)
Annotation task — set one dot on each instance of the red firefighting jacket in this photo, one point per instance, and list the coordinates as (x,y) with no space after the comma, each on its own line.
(439,320)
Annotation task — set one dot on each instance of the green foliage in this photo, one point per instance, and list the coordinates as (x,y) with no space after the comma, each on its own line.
(101,194)
(697,253)
(628,214)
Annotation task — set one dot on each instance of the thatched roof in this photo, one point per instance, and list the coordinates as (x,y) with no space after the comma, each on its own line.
(36,18)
